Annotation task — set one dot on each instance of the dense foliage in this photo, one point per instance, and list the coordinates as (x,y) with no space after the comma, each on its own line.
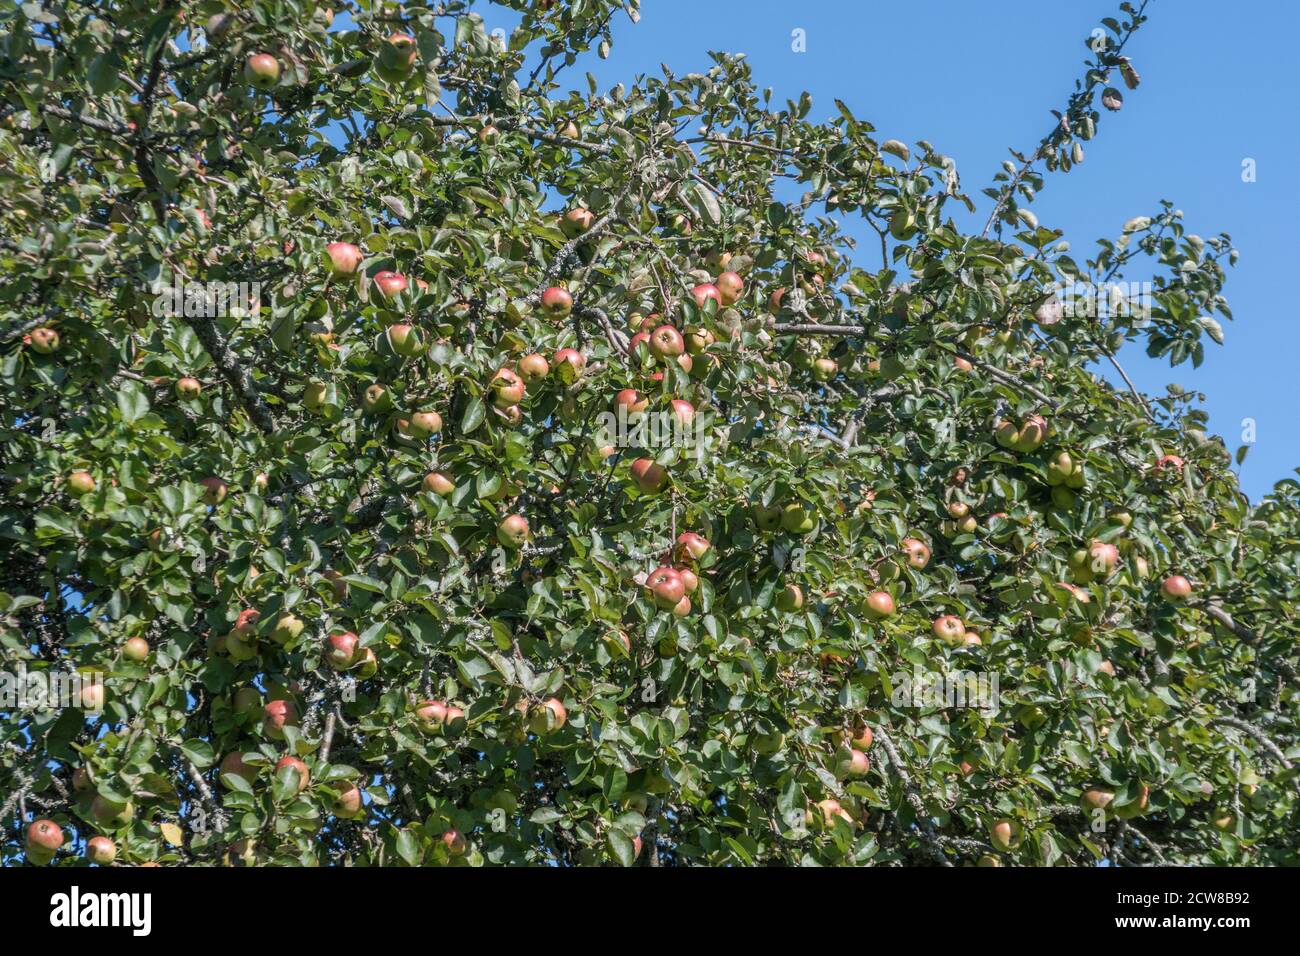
(360,596)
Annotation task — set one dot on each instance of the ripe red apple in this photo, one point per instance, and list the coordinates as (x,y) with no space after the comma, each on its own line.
(690,547)
(341,650)
(92,697)
(513,531)
(216,490)
(557,302)
(261,71)
(683,410)
(569,364)
(101,850)
(396,59)
(390,283)
(348,804)
(576,221)
(43,341)
(548,716)
(277,715)
(667,342)
(665,588)
(1097,798)
(1005,834)
(345,258)
(1032,433)
(188,388)
(949,629)
(436,483)
(1175,589)
(1168,464)
(1102,557)
(862,737)
(730,288)
(852,763)
(705,291)
(632,400)
(424,424)
(789,598)
(825,369)
(918,554)
(454,841)
(507,388)
(689,580)
(135,649)
(533,368)
(44,838)
(80,483)
(293,763)
(488,134)
(831,810)
(648,476)
(880,604)
(431,715)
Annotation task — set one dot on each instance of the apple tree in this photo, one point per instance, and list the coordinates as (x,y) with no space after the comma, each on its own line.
(445,461)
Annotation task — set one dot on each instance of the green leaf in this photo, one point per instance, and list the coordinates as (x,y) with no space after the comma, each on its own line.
(621,847)
(199,752)
(131,401)
(473,416)
(408,847)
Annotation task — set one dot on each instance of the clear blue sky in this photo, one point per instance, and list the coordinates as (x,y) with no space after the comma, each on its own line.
(1218,85)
